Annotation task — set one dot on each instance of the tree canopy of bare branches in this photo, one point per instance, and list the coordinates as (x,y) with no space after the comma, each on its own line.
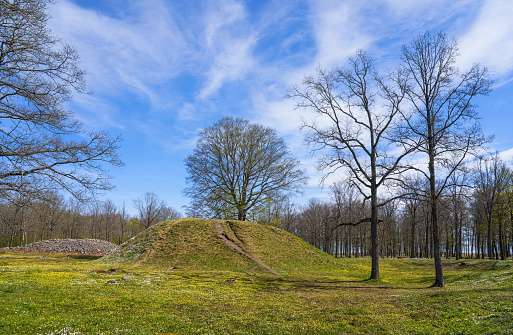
(154,210)
(237,165)
(356,111)
(42,145)
(442,124)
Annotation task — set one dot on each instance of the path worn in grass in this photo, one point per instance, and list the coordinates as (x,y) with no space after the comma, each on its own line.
(231,244)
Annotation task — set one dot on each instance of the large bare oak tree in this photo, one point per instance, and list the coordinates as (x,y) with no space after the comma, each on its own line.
(42,145)
(236,166)
(356,110)
(442,124)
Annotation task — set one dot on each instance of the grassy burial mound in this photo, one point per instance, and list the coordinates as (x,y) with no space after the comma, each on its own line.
(198,244)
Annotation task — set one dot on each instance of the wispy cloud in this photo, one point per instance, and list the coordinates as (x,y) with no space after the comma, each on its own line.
(229,43)
(135,53)
(220,17)
(338,31)
(233,62)
(489,39)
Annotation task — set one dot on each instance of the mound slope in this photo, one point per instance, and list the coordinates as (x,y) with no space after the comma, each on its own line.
(220,245)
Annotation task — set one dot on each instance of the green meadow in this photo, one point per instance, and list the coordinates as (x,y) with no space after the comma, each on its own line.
(60,294)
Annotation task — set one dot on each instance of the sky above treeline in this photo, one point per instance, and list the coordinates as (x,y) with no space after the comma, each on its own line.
(162,70)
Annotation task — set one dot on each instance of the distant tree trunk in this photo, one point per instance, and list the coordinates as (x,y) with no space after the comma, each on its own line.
(501,241)
(413,254)
(21,236)
(428,240)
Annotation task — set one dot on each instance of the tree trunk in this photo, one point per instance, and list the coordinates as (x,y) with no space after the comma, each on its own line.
(11,239)
(374,233)
(439,276)
(456,237)
(21,236)
(413,222)
(501,241)
(426,247)
(489,236)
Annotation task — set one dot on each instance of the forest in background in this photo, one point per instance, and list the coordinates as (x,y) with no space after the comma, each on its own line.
(476,218)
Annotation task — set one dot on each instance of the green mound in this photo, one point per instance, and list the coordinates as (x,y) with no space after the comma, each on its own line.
(197,244)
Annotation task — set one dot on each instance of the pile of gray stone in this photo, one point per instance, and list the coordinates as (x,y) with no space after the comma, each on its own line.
(75,246)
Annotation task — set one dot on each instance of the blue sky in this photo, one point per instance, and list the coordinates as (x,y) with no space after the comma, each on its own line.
(162,70)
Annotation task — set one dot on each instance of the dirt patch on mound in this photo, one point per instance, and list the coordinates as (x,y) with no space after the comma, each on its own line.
(75,246)
(231,244)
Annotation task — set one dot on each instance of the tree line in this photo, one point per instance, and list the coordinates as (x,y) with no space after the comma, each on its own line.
(24,220)
(476,220)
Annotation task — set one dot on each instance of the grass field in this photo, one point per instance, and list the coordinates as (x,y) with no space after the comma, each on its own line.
(55,294)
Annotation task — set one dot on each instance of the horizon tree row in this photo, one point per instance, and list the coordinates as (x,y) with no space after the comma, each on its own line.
(476,219)
(25,220)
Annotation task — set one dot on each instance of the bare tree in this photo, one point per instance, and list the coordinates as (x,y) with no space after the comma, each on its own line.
(460,184)
(413,202)
(288,216)
(75,211)
(492,179)
(38,74)
(169,213)
(237,165)
(109,217)
(443,125)
(123,219)
(348,209)
(13,217)
(359,110)
(50,213)
(153,210)
(95,218)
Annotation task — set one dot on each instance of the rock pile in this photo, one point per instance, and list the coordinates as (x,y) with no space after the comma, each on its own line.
(75,246)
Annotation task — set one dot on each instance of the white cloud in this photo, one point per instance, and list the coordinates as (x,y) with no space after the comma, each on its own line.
(232,62)
(489,39)
(95,113)
(507,155)
(338,31)
(187,112)
(143,49)
(419,15)
(222,15)
(229,44)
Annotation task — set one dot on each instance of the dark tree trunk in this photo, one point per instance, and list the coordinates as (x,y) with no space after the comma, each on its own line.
(439,271)
(489,237)
(413,253)
(439,276)
(374,232)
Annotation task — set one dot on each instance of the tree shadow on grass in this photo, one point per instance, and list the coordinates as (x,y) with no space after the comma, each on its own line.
(331,284)
(78,256)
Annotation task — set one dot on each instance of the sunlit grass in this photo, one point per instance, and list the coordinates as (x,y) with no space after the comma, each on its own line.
(54,294)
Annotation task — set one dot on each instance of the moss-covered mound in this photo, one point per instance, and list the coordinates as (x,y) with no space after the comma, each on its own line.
(197,244)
